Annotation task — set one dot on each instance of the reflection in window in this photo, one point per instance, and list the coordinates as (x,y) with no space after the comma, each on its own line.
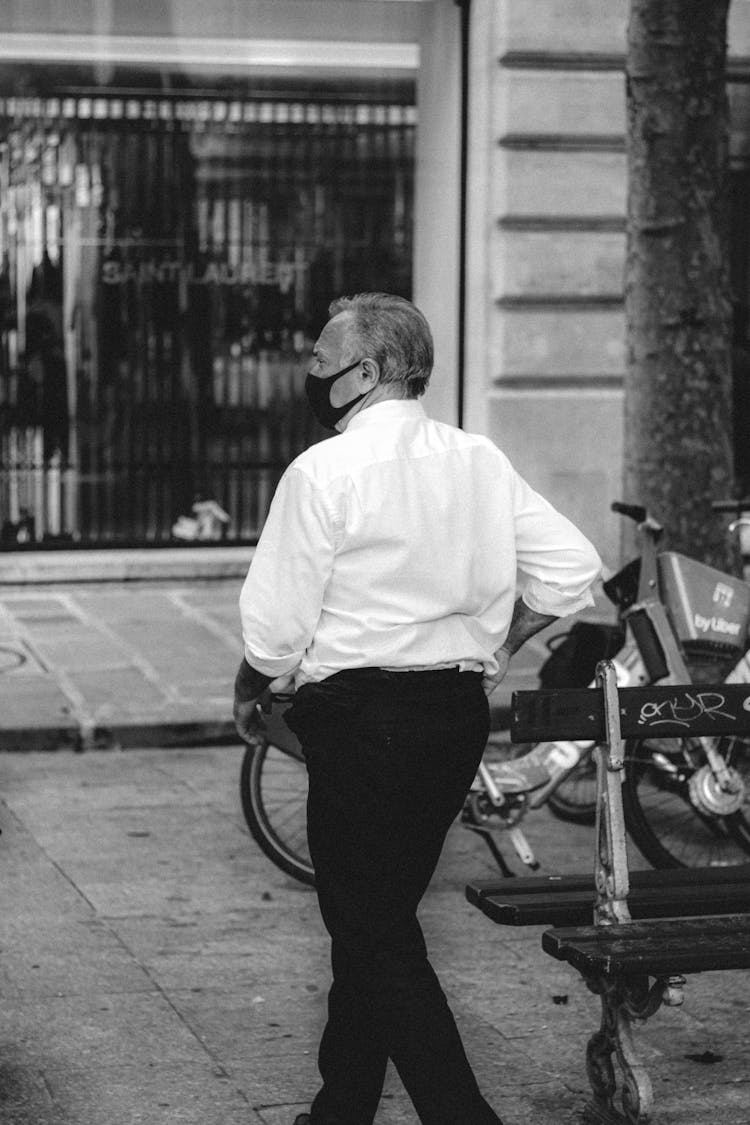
(166,262)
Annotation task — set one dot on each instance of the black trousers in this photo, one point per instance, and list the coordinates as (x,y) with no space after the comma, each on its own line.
(390,757)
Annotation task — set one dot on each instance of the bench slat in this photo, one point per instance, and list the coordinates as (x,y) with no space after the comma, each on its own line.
(655,948)
(575,907)
(554,884)
(664,712)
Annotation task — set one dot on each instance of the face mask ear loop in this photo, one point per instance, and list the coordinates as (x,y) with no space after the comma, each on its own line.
(366,394)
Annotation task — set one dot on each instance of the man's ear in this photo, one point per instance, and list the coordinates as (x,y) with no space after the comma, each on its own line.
(371,369)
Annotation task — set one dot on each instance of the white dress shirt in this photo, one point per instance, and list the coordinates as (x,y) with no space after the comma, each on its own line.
(399,544)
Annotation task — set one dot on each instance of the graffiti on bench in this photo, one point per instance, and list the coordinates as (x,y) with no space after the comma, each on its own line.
(685,709)
(669,710)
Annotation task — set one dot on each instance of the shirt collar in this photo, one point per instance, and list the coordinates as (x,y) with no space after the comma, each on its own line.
(386,412)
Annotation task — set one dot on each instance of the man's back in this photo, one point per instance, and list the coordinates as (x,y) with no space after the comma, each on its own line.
(419,529)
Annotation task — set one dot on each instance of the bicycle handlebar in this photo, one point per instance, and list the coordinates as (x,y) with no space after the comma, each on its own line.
(633,511)
(638,513)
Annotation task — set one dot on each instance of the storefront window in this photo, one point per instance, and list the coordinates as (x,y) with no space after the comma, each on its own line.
(166,260)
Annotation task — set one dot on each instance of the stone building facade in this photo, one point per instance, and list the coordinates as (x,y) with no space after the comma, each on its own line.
(518,184)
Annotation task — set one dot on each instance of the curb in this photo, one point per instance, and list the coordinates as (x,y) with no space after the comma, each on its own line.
(166,735)
(21,568)
(18,740)
(119,736)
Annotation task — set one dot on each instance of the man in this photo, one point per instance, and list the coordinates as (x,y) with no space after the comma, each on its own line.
(385,584)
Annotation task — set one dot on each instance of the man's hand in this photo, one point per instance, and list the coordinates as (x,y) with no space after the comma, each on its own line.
(250,692)
(489,683)
(525,623)
(246,718)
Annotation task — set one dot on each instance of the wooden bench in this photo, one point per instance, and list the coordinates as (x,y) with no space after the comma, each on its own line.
(633,937)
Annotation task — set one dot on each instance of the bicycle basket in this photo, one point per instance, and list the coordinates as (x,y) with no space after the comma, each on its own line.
(704,605)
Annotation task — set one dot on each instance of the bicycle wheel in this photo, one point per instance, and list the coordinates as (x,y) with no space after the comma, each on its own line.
(675,812)
(273,790)
(574,800)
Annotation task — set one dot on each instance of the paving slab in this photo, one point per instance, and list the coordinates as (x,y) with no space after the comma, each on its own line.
(113,664)
(36,704)
(132,1028)
(120,1094)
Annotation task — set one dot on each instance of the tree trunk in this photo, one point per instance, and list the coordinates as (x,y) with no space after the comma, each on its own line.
(678,455)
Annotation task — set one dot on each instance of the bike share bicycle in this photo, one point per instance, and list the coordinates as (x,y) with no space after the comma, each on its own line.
(686,800)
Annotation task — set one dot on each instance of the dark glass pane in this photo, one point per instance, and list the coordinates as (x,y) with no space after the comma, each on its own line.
(167,261)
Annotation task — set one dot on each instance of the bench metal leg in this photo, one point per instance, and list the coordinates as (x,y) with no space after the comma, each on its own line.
(615,1038)
(623,1001)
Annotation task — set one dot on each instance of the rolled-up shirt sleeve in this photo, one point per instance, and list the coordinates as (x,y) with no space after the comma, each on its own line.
(557,562)
(281,597)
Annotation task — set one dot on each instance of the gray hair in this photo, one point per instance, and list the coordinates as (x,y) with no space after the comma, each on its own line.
(393,332)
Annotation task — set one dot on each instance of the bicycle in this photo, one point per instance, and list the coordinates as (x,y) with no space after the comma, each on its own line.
(686,801)
(700,815)
(273,792)
(690,624)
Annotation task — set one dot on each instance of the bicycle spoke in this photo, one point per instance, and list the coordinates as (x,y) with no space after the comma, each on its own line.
(673,809)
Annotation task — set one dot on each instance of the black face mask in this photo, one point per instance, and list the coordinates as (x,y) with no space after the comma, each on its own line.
(318,391)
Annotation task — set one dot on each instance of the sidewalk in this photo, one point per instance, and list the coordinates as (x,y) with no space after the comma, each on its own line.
(141,663)
(158,970)
(118,663)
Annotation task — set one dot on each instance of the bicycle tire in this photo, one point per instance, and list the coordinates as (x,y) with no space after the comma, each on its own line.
(663,822)
(273,792)
(574,800)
